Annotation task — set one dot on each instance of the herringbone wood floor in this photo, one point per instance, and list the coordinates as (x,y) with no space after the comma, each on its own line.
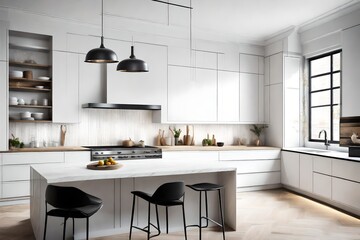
(261,215)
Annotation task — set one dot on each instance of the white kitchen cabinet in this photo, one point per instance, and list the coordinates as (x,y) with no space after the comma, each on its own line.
(322,185)
(290,166)
(179,56)
(276,68)
(306,172)
(65,87)
(92,82)
(15,171)
(259,169)
(207,156)
(139,88)
(249,98)
(346,169)
(350,83)
(3,40)
(191,95)
(228,96)
(257,179)
(249,63)
(77,157)
(322,165)
(228,61)
(266,104)
(261,65)
(261,113)
(205,59)
(3,107)
(267,71)
(346,192)
(274,134)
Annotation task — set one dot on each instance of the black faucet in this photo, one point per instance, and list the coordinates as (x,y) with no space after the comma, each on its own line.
(326,141)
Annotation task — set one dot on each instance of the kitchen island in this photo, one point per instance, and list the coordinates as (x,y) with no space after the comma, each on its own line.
(114,188)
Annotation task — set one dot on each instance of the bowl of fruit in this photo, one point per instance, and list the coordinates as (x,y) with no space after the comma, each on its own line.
(105,164)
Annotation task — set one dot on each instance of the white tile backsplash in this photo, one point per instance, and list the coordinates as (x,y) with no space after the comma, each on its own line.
(110,127)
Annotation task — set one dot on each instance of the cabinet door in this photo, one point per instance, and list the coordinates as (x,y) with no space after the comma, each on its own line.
(274,134)
(205,60)
(346,192)
(261,117)
(228,96)
(322,185)
(290,168)
(249,98)
(139,88)
(228,61)
(3,40)
(192,95)
(276,68)
(77,157)
(322,165)
(65,87)
(3,107)
(306,172)
(16,189)
(350,83)
(249,63)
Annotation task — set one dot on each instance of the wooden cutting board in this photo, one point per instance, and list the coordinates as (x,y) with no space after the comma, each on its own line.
(94,166)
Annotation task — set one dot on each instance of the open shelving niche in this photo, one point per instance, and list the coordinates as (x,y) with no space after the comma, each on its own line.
(30,52)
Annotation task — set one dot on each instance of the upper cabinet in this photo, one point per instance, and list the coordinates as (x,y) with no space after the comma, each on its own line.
(205,60)
(3,40)
(350,84)
(228,61)
(228,96)
(249,63)
(30,77)
(192,94)
(249,98)
(138,88)
(66,87)
(276,68)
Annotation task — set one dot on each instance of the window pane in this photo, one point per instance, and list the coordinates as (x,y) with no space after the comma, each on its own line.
(320,119)
(337,62)
(321,65)
(336,80)
(336,96)
(320,98)
(320,83)
(336,123)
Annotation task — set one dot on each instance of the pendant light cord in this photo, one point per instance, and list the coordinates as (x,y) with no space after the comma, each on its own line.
(102,23)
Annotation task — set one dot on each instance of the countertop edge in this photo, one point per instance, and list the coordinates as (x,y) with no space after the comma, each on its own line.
(215,148)
(47,149)
(352,159)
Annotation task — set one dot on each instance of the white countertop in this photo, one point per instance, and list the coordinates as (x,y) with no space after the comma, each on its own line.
(57,173)
(215,148)
(323,153)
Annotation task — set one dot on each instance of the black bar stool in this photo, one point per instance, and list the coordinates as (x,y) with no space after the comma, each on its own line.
(70,202)
(205,187)
(168,194)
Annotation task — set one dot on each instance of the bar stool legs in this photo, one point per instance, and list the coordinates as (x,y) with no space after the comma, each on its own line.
(205,187)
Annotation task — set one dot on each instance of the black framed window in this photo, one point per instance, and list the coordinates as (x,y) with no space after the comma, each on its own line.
(324,96)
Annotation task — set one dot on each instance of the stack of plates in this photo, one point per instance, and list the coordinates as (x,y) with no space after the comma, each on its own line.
(44,78)
(29,118)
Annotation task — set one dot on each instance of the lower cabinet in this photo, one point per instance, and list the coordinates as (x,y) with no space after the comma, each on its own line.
(290,166)
(255,169)
(15,169)
(335,181)
(322,185)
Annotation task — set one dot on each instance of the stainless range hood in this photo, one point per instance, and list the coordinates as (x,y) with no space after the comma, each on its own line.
(121,106)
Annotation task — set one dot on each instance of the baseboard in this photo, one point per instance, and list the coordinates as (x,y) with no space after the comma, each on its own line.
(258,188)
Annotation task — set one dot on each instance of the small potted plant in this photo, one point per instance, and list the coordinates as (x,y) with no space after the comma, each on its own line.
(177,135)
(14,142)
(257,130)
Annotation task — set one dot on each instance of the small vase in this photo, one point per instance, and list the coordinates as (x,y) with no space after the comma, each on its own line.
(257,142)
(176,141)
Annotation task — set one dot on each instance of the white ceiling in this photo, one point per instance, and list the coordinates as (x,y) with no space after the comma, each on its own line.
(258,20)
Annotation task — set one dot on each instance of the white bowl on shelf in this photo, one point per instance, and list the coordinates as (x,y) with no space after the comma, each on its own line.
(44,78)
(15,74)
(28,119)
(37,116)
(39,87)
(25,115)
(11,102)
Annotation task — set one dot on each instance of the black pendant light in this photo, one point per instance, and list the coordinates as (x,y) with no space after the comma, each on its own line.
(101,54)
(132,64)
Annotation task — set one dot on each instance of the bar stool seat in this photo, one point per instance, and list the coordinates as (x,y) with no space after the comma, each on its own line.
(206,187)
(168,194)
(70,202)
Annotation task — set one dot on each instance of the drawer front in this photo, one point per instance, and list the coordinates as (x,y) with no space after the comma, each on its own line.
(346,192)
(322,165)
(346,169)
(77,157)
(249,155)
(16,189)
(253,166)
(191,155)
(16,172)
(257,179)
(322,185)
(28,158)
